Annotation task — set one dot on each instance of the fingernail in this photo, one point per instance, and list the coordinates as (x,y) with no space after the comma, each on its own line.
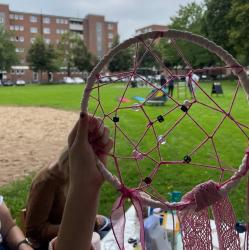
(82,115)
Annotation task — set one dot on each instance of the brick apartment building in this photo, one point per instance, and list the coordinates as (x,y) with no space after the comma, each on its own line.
(97,34)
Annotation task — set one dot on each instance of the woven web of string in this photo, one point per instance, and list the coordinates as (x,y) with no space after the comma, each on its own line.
(114,116)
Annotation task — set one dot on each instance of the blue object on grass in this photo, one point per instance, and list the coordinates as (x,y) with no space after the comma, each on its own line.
(138,98)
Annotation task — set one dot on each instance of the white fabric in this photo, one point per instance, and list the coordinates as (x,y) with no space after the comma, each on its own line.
(194,79)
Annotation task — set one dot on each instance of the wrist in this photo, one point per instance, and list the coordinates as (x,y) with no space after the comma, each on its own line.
(24,245)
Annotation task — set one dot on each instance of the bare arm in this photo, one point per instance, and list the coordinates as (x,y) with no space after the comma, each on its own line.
(85,182)
(11,233)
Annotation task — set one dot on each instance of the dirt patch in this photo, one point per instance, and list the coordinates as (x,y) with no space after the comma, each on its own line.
(30,138)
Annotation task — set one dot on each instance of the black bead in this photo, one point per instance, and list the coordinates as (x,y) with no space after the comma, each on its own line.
(187,159)
(240,227)
(115,119)
(147,180)
(131,240)
(184,108)
(160,118)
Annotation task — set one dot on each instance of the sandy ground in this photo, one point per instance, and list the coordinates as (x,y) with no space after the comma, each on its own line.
(30,138)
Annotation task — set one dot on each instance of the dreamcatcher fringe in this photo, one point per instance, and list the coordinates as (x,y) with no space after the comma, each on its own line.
(196,229)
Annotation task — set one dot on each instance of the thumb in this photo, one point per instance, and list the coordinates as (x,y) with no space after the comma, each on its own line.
(82,131)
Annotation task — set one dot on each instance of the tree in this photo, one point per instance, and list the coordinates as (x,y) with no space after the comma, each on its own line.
(8,56)
(188,18)
(238,34)
(82,58)
(42,57)
(66,49)
(216,25)
(121,61)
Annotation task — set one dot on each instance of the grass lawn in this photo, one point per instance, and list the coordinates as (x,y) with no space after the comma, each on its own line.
(229,140)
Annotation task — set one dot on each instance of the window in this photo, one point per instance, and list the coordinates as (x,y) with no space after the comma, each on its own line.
(35,76)
(109,45)
(33,30)
(21,39)
(46,20)
(17,27)
(12,27)
(19,50)
(22,72)
(16,17)
(2,17)
(59,31)
(61,21)
(33,19)
(12,39)
(46,30)
(110,26)
(12,16)
(47,41)
(110,35)
(21,17)
(99,39)
(32,39)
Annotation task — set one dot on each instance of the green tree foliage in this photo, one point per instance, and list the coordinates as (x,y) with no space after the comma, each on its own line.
(239,36)
(189,18)
(216,25)
(42,57)
(66,49)
(8,56)
(121,61)
(148,59)
(83,59)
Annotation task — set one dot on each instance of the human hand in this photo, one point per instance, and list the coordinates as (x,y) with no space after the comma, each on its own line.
(88,140)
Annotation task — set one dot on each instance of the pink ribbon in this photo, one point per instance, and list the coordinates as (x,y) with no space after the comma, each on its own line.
(118,215)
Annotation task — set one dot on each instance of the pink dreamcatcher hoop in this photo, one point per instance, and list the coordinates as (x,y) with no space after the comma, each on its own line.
(192,210)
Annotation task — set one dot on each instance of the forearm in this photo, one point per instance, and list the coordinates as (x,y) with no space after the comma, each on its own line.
(78,219)
(15,236)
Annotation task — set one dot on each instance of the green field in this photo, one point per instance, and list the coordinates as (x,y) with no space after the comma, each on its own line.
(229,140)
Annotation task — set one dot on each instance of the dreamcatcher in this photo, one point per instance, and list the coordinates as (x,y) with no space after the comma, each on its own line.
(177,138)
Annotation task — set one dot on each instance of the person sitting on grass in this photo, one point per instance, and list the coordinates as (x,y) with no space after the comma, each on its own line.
(47,199)
(11,236)
(80,210)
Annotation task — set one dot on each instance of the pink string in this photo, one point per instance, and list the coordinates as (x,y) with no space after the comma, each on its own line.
(118,215)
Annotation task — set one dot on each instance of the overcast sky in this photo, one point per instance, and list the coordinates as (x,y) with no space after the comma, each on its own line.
(130,14)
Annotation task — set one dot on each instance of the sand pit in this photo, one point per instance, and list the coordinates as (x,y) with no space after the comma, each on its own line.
(30,138)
